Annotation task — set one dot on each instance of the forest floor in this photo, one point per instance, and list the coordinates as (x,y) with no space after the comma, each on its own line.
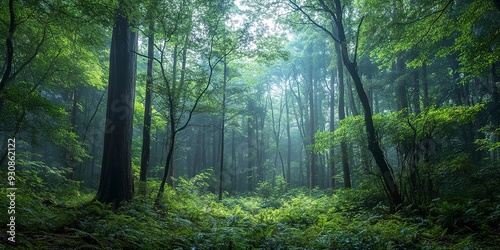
(271,218)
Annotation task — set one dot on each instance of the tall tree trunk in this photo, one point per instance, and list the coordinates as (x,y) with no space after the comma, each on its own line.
(233,161)
(204,159)
(222,131)
(299,117)
(416,92)
(401,89)
(289,140)
(312,130)
(251,147)
(116,182)
(6,77)
(72,164)
(343,144)
(425,86)
(197,159)
(146,129)
(331,161)
(373,143)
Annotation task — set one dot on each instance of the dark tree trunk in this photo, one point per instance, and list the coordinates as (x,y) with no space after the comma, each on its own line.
(169,168)
(204,158)
(116,182)
(146,129)
(222,131)
(425,86)
(401,89)
(331,161)
(6,77)
(312,130)
(352,103)
(70,161)
(233,161)
(289,141)
(373,143)
(197,159)
(416,92)
(343,144)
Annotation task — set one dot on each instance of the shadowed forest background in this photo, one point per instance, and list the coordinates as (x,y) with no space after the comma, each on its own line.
(287,124)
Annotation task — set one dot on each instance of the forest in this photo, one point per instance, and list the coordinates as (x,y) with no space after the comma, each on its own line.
(238,124)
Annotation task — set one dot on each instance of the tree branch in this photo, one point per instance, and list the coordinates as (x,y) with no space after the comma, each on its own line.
(297,7)
(357,40)
(10,47)
(441,12)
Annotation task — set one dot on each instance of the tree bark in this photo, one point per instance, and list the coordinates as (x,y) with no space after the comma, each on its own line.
(343,144)
(146,130)
(289,140)
(251,147)
(312,130)
(222,131)
(401,89)
(352,103)
(331,162)
(416,92)
(373,143)
(10,47)
(425,86)
(116,182)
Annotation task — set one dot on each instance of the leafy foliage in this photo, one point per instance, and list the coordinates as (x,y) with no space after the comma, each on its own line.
(302,219)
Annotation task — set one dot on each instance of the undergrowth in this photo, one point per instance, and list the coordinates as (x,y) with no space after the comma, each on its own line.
(193,218)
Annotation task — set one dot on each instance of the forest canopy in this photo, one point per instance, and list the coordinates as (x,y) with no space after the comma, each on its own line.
(269,124)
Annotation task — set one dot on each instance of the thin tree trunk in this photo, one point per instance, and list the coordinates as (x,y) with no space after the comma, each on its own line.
(168,164)
(251,147)
(331,161)
(373,143)
(222,131)
(289,140)
(416,92)
(425,86)
(401,89)
(233,161)
(146,130)
(70,161)
(343,144)
(312,130)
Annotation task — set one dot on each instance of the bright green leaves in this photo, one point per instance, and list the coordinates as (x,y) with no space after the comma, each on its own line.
(396,128)
(479,38)
(436,29)
(271,49)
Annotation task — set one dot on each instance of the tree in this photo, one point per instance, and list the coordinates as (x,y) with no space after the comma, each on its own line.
(223,123)
(116,182)
(335,12)
(182,97)
(343,144)
(146,130)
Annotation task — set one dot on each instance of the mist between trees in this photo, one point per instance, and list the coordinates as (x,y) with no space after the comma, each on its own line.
(394,105)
